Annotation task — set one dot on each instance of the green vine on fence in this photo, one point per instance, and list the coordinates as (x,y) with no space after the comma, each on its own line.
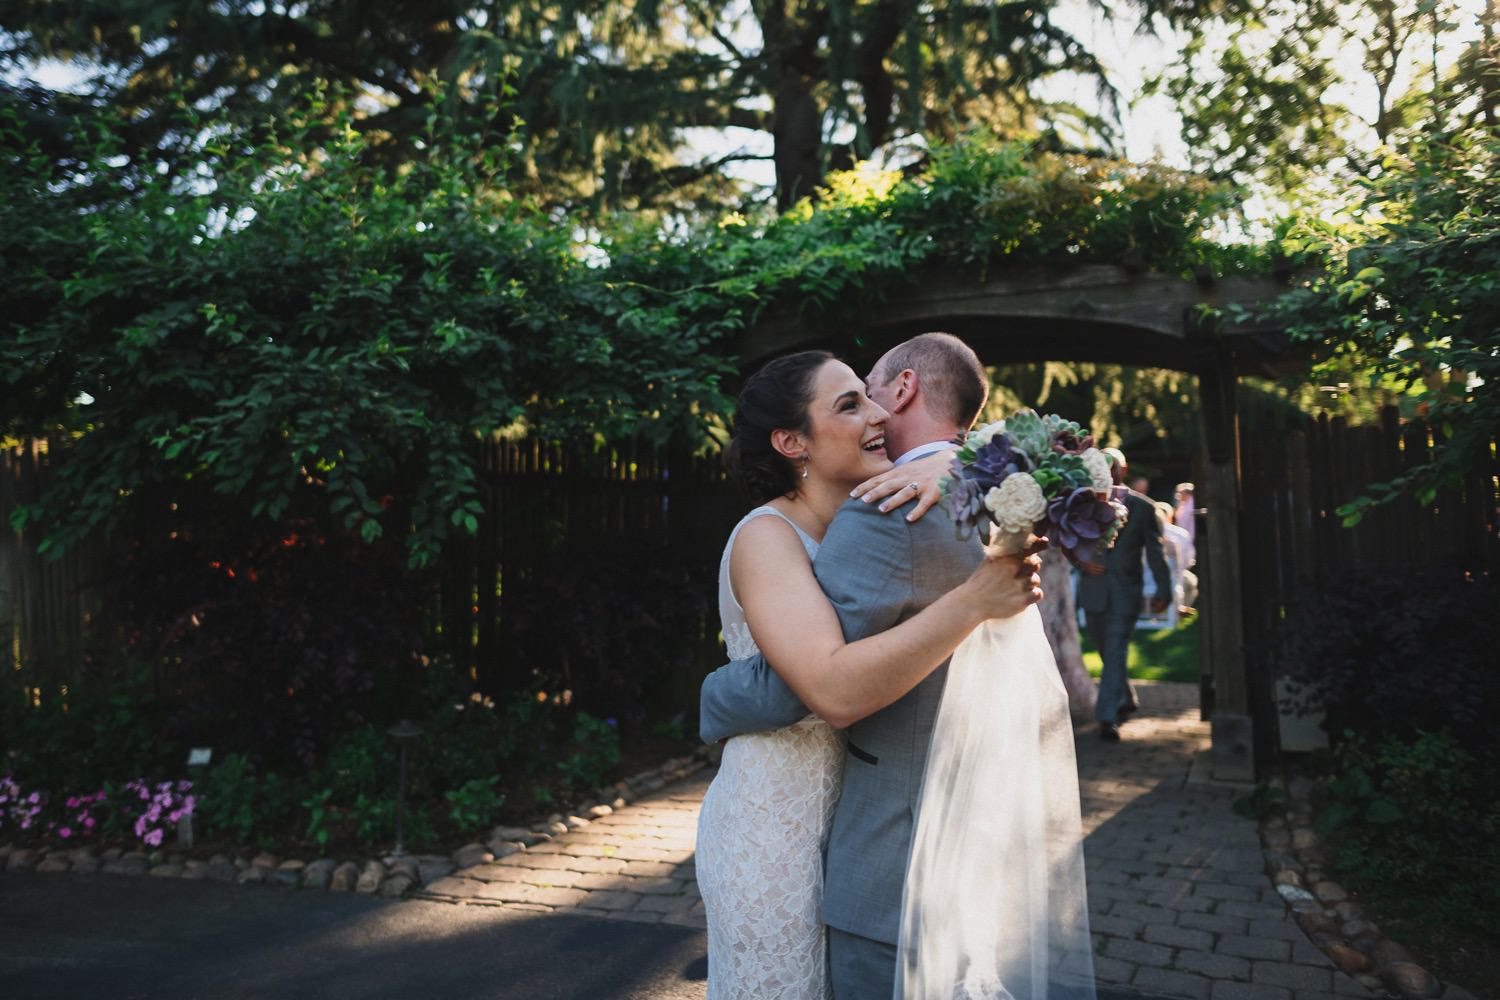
(306,327)
(1408,283)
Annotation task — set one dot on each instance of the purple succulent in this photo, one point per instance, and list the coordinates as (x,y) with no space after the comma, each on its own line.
(1078,522)
(1065,442)
(997,459)
(965,501)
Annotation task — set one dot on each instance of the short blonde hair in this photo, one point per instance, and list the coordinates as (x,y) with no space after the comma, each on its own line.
(948,371)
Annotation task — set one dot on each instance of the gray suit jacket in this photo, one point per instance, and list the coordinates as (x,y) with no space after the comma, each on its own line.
(878,570)
(1120,588)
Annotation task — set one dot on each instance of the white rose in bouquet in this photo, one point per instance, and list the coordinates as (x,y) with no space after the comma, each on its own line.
(983,435)
(1017,504)
(1098,465)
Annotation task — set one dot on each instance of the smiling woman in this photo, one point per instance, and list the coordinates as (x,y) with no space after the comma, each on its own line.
(766,817)
(843,436)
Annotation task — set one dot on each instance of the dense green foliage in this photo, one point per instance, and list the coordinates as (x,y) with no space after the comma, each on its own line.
(1410,814)
(309,336)
(1401,667)
(307,325)
(107,733)
(475,764)
(980,203)
(1410,285)
(1395,653)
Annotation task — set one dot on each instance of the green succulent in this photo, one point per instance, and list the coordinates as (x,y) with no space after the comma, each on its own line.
(1030,433)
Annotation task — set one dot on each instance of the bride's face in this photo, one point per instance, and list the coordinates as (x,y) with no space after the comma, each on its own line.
(846,429)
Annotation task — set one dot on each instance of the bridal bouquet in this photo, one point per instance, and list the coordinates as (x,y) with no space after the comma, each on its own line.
(1038,474)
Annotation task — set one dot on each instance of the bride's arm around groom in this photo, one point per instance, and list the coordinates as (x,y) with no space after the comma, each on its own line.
(877,570)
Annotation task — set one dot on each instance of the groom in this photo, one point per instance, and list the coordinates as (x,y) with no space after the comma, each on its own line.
(877,570)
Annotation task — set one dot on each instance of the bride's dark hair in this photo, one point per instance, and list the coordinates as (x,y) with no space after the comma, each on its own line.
(775,398)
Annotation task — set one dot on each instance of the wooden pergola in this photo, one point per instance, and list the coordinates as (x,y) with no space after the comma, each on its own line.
(1114,315)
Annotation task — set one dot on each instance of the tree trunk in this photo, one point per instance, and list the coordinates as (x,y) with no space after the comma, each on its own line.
(1061,620)
(1487,69)
(798,131)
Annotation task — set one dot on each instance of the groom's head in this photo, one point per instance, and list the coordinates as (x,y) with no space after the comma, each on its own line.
(932,385)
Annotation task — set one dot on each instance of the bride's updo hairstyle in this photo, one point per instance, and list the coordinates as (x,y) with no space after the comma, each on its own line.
(775,398)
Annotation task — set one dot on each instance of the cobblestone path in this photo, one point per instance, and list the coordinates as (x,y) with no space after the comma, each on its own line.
(1179,898)
(635,864)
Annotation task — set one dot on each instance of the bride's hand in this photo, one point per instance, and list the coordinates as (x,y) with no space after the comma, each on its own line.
(1002,586)
(917,480)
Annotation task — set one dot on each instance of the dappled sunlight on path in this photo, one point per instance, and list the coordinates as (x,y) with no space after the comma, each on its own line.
(1180,903)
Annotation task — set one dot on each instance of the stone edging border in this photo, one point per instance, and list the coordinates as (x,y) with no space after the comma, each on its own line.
(1331,917)
(389,875)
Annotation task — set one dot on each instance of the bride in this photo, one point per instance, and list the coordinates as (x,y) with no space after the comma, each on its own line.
(805,433)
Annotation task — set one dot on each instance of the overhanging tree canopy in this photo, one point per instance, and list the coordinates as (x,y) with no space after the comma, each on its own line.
(311,326)
(606,95)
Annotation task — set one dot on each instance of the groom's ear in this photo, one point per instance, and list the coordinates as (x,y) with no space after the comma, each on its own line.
(788,444)
(905,391)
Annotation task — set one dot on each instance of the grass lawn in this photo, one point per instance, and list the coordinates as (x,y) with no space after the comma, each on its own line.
(1161,655)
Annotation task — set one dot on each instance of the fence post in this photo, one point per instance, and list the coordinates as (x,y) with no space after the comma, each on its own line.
(1233,752)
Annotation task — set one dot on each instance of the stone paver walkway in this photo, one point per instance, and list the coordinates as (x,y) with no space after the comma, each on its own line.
(635,864)
(1179,898)
(1180,901)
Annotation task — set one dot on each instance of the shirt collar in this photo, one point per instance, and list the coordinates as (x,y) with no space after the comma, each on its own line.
(923,450)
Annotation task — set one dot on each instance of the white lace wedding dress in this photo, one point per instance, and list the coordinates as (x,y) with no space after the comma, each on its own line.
(761,835)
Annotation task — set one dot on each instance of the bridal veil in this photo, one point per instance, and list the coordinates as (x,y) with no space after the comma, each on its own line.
(995,906)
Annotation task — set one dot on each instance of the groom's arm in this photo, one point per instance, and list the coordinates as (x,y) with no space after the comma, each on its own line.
(745,696)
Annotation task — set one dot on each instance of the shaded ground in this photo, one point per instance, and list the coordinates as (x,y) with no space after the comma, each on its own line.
(68,936)
(131,939)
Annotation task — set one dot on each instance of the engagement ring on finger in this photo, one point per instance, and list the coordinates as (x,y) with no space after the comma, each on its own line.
(914,486)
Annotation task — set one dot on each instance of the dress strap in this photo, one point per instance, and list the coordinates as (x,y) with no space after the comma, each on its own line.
(808,542)
(730,610)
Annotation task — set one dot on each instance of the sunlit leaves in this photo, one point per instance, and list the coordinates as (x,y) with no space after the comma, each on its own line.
(1413,292)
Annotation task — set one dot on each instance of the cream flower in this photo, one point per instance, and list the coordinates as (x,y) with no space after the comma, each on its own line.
(981,437)
(1016,504)
(1098,466)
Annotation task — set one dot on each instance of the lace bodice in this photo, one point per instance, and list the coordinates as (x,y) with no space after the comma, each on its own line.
(760,840)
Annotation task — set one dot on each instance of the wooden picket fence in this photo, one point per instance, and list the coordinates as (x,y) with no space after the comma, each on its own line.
(46,604)
(1293,481)
(1292,541)
(543,501)
(540,499)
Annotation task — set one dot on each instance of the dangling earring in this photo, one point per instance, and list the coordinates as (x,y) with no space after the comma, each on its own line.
(804,465)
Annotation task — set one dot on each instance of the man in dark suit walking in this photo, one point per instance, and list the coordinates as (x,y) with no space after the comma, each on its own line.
(1110,596)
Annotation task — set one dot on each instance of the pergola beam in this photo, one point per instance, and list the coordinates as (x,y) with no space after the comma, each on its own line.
(1084,312)
(1113,315)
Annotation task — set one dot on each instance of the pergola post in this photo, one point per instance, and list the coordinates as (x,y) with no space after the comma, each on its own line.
(1221,603)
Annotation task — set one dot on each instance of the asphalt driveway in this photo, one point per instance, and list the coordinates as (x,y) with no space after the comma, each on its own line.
(67,937)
